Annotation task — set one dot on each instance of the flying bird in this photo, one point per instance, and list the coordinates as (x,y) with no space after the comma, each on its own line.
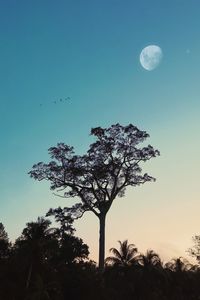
(57,101)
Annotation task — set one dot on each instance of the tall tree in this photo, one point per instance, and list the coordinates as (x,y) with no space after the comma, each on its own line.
(110,165)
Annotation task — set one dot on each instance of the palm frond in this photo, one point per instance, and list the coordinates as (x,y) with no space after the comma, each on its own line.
(112,260)
(124,256)
(116,253)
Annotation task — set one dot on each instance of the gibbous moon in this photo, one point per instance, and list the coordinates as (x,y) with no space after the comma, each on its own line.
(150,57)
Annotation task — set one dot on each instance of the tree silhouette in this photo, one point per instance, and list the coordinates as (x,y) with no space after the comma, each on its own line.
(65,221)
(125,256)
(178,265)
(71,248)
(195,250)
(181,275)
(110,165)
(4,242)
(49,263)
(150,260)
(35,246)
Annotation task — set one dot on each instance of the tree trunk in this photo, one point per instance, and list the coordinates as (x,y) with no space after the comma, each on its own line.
(29,276)
(102,219)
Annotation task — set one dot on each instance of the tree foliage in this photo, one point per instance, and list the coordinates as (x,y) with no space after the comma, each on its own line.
(110,165)
(195,250)
(4,242)
(125,256)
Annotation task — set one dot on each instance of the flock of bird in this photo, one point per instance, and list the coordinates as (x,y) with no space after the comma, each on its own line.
(59,101)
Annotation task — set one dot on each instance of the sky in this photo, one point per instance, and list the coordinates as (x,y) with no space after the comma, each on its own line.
(89,51)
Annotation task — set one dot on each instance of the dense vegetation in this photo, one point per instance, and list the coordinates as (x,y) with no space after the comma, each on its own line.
(48,263)
(51,263)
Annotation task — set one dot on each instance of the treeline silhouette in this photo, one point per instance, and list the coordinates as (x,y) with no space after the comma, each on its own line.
(48,262)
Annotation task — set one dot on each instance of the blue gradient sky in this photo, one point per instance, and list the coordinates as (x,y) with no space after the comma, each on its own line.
(89,50)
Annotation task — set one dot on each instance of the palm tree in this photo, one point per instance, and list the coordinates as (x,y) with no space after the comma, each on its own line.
(35,245)
(150,260)
(152,279)
(123,257)
(180,271)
